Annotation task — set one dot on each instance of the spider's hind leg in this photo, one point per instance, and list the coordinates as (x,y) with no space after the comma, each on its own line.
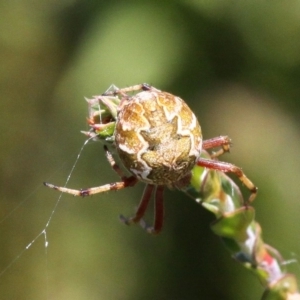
(159,210)
(141,208)
(230,168)
(222,141)
(159,213)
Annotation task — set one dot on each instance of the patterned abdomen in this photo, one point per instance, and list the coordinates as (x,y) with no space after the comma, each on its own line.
(157,136)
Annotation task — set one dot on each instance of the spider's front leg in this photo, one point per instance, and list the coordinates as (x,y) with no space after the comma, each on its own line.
(133,88)
(126,182)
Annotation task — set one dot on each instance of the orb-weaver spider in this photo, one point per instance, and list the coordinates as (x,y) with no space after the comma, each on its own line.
(158,140)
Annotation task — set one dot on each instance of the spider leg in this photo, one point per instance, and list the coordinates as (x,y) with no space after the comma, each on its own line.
(126,181)
(141,208)
(221,141)
(134,88)
(113,164)
(228,167)
(159,213)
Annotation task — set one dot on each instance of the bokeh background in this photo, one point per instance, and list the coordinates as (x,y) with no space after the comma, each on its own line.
(236,63)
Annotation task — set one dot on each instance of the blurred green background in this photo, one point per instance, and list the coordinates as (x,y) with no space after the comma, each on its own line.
(236,63)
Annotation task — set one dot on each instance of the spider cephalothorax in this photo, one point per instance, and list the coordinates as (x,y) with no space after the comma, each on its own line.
(158,140)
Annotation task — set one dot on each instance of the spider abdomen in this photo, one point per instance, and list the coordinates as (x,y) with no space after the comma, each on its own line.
(157,136)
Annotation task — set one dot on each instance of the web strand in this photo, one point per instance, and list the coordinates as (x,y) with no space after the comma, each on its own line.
(44,230)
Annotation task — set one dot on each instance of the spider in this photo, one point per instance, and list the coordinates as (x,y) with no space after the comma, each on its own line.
(158,140)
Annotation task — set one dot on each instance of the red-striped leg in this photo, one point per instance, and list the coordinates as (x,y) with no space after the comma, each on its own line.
(141,208)
(159,210)
(221,141)
(159,213)
(228,167)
